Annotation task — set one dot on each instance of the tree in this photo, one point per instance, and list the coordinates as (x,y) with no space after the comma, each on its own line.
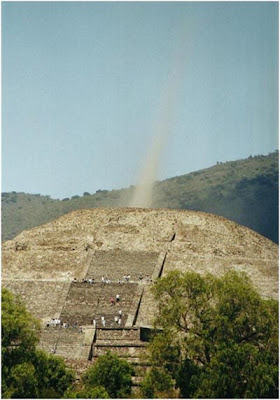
(97,392)
(111,373)
(19,337)
(157,383)
(220,338)
(52,375)
(27,372)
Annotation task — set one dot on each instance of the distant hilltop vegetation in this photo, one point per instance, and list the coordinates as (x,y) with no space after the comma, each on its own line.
(244,191)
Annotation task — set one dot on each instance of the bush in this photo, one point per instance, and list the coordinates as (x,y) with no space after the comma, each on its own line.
(157,383)
(111,373)
(97,392)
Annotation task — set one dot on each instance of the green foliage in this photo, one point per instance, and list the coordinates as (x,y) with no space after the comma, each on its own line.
(23,381)
(97,392)
(165,351)
(157,383)
(27,372)
(220,338)
(52,375)
(19,331)
(111,373)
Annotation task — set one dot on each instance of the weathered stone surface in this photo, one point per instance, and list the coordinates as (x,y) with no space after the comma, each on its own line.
(40,265)
(64,342)
(44,298)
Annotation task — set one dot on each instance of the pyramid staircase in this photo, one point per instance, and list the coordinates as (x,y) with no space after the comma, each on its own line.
(82,341)
(126,344)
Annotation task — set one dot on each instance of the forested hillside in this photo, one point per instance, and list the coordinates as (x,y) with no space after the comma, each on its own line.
(245,191)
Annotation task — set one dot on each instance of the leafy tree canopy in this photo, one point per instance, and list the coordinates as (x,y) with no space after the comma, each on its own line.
(158,383)
(27,372)
(97,392)
(112,373)
(19,328)
(219,339)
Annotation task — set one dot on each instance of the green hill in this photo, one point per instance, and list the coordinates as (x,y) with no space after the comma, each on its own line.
(245,191)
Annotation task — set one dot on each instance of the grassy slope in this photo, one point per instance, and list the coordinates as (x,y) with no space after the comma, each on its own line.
(245,191)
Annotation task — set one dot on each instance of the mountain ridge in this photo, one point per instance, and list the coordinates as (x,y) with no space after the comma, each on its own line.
(244,191)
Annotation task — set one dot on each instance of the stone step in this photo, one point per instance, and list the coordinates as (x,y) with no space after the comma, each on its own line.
(140,370)
(137,380)
(118,334)
(66,342)
(110,320)
(48,338)
(76,318)
(119,343)
(86,301)
(118,263)
(120,351)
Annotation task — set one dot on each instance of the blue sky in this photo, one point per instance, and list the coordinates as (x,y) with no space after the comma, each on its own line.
(83,86)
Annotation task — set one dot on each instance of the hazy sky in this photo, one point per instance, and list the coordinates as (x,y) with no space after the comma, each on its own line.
(85,85)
